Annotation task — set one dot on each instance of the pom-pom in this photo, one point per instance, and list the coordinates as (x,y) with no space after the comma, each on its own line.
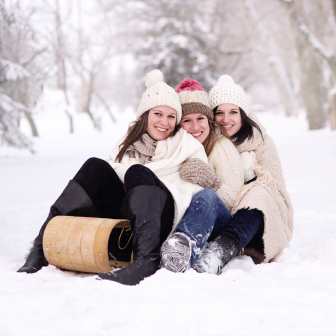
(189,85)
(153,77)
(226,79)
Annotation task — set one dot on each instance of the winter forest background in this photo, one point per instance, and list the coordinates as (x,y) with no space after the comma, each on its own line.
(71,77)
(94,54)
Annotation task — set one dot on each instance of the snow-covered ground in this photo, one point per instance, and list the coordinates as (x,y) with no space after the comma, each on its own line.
(295,295)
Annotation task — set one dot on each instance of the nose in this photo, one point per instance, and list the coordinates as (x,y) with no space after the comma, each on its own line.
(226,118)
(194,125)
(164,120)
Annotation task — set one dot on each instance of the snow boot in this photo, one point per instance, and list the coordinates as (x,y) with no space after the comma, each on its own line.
(143,205)
(73,201)
(176,253)
(217,254)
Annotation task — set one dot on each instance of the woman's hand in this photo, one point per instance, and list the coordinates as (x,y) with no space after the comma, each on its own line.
(249,160)
(198,172)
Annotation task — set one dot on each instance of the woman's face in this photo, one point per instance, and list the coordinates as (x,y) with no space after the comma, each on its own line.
(228,118)
(161,122)
(197,125)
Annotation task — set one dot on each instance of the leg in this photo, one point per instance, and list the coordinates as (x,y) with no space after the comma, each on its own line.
(240,230)
(79,198)
(149,206)
(207,214)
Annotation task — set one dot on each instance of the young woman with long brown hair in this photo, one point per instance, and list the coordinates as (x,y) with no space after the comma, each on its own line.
(140,182)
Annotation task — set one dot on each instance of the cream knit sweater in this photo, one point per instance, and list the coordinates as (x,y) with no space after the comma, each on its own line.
(227,164)
(267,194)
(166,162)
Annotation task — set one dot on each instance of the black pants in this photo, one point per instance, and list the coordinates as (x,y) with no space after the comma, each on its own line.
(107,192)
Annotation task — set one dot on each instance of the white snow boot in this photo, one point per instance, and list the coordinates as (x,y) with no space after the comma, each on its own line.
(176,252)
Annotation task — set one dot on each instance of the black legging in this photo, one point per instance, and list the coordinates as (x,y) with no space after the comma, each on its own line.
(107,192)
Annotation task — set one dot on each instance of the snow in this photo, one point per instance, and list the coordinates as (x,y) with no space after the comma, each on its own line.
(295,295)
(13,71)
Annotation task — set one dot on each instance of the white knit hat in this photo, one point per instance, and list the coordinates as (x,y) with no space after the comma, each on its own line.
(158,93)
(226,91)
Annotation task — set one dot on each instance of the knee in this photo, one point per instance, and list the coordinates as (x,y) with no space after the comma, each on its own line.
(94,162)
(138,171)
(138,175)
(206,196)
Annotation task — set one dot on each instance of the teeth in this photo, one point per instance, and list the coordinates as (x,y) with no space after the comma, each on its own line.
(228,126)
(196,134)
(161,129)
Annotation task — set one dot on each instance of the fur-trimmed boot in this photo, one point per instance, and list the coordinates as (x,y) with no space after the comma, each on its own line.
(217,254)
(73,201)
(143,205)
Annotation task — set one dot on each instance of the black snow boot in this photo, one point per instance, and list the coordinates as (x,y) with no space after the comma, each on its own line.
(73,201)
(217,254)
(143,205)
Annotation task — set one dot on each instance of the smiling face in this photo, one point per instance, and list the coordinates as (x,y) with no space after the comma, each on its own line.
(161,122)
(197,125)
(228,118)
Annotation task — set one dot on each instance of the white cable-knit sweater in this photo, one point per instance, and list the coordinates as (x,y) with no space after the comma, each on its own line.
(227,164)
(165,163)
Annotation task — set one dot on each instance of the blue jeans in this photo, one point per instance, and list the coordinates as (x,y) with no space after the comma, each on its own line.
(207,217)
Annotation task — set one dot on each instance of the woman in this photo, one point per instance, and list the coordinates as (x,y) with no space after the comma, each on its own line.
(263,204)
(141,183)
(209,211)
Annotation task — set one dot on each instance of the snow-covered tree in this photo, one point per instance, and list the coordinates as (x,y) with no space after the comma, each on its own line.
(173,37)
(19,76)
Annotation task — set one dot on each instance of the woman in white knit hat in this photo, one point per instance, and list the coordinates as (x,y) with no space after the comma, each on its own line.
(140,182)
(264,202)
(209,210)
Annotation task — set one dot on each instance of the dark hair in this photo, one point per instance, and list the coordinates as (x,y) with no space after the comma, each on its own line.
(135,132)
(246,130)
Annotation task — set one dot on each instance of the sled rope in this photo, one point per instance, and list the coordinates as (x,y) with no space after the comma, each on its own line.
(122,248)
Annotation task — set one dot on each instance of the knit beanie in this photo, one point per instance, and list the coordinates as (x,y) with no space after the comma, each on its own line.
(226,91)
(194,98)
(158,93)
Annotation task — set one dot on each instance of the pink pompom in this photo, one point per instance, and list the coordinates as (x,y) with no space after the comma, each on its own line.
(189,85)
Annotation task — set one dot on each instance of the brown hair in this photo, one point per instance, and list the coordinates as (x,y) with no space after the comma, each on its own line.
(134,133)
(210,141)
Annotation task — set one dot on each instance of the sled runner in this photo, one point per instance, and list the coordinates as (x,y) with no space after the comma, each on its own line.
(81,243)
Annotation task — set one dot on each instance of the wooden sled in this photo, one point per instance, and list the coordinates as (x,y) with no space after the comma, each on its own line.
(81,243)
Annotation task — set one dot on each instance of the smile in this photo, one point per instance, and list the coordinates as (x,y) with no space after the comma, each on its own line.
(196,134)
(161,129)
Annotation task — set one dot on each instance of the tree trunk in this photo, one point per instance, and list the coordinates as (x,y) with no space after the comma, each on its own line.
(278,70)
(311,80)
(31,123)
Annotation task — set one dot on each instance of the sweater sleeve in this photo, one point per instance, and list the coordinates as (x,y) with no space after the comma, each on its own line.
(226,163)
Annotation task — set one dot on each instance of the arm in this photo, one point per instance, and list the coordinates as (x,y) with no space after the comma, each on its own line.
(227,164)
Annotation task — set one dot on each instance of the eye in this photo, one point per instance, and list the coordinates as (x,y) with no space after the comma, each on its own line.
(218,112)
(185,120)
(201,118)
(234,112)
(157,113)
(171,116)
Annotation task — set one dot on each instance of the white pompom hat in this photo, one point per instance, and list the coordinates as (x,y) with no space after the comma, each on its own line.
(158,93)
(226,91)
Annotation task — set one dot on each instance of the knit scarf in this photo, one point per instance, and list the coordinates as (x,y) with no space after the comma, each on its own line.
(142,150)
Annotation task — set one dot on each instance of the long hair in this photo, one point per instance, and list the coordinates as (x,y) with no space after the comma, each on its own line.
(134,133)
(246,130)
(210,141)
